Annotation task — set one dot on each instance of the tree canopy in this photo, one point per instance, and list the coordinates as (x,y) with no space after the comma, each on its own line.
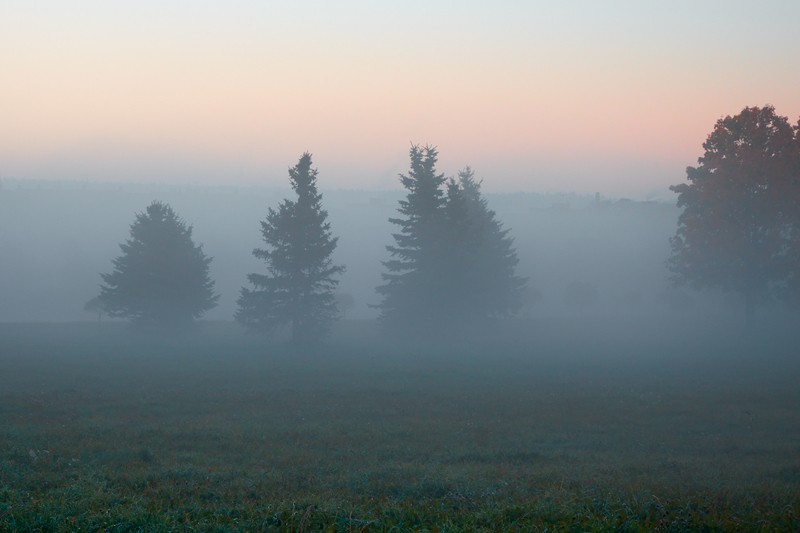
(739,227)
(298,287)
(162,277)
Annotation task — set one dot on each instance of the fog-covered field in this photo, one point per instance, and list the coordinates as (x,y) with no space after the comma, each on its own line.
(563,423)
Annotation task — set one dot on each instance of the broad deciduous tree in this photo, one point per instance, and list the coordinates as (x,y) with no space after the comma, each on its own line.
(740,208)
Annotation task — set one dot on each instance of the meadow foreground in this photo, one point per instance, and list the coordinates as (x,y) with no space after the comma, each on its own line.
(573,425)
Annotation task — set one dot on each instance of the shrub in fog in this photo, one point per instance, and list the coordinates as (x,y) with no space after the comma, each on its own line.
(161,278)
(95,306)
(298,287)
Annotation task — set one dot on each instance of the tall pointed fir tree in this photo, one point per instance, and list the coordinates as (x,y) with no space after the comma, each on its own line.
(412,289)
(161,279)
(482,256)
(297,289)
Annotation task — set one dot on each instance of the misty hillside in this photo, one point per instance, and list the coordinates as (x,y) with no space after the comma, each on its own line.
(56,239)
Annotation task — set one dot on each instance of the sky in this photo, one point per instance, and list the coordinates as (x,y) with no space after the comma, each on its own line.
(609,97)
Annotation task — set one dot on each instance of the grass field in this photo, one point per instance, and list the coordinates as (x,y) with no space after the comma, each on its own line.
(573,425)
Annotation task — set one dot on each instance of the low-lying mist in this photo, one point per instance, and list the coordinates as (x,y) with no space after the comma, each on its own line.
(584,256)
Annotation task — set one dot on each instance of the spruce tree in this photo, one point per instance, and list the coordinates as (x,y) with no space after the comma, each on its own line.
(452,266)
(412,290)
(161,278)
(486,258)
(298,287)
(460,242)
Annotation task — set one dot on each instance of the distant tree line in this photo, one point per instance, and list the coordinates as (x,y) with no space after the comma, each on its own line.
(452,264)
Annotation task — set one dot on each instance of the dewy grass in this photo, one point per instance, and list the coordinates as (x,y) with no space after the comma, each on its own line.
(561,426)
